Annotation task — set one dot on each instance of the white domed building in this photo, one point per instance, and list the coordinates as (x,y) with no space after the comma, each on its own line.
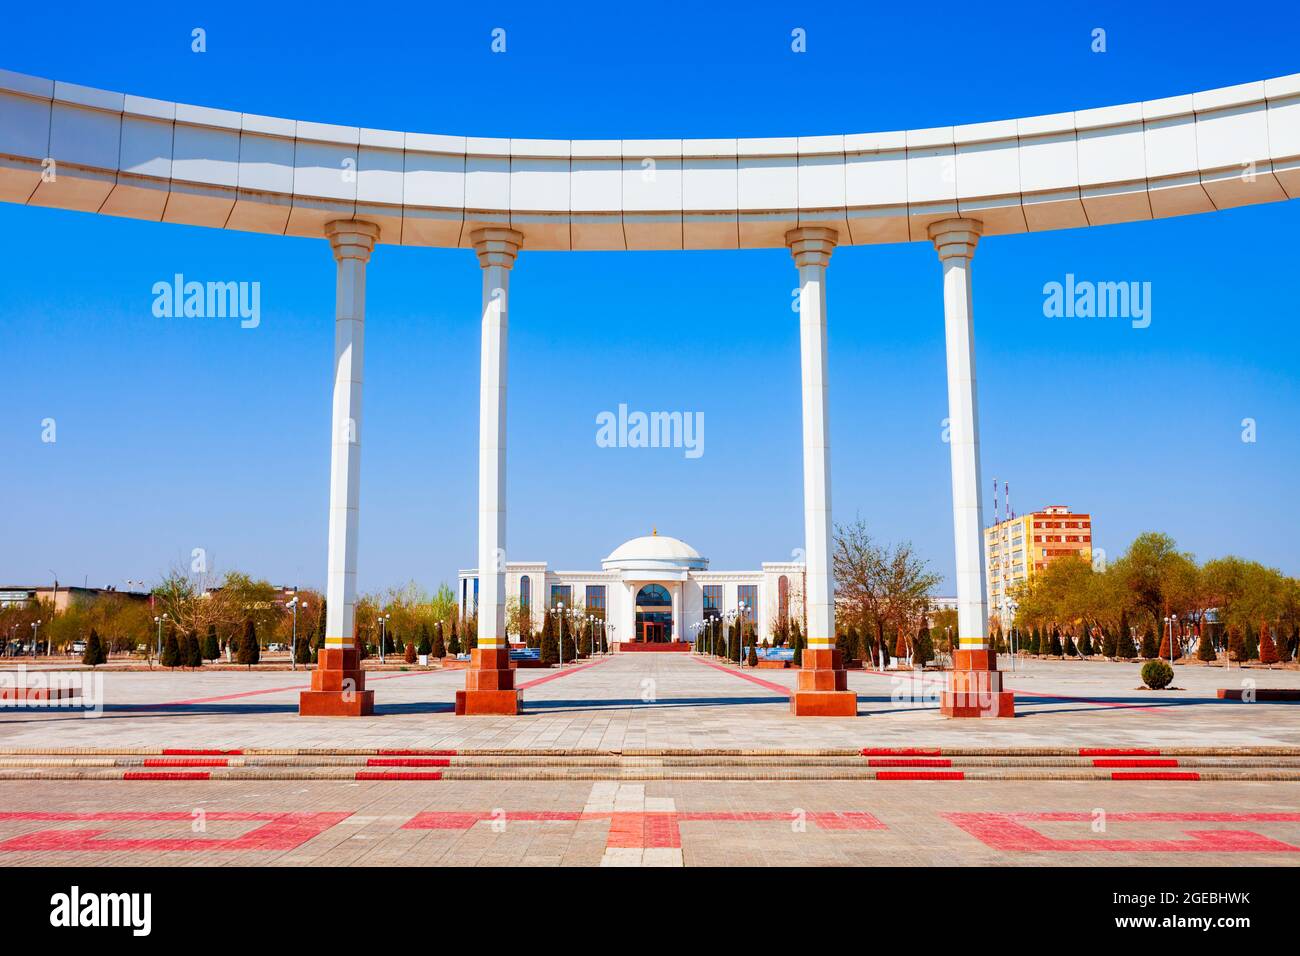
(654,591)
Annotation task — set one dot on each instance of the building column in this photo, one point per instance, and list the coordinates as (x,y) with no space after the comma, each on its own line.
(338,683)
(676,592)
(489,680)
(976,689)
(823,689)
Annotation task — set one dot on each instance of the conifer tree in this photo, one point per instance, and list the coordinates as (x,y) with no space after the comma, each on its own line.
(250,649)
(1055,648)
(90,656)
(1149,647)
(439,649)
(1267,649)
(1205,648)
(1109,644)
(211,646)
(171,654)
(922,647)
(1085,644)
(1236,645)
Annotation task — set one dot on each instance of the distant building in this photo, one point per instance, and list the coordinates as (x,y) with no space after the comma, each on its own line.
(1018,548)
(652,589)
(17,595)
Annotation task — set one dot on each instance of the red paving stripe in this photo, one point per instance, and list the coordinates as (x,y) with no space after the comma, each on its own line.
(908,762)
(177,775)
(271,690)
(179,752)
(901,751)
(558,674)
(187,762)
(397,775)
(280,831)
(779,688)
(385,752)
(1139,762)
(408,762)
(1116,752)
(921,775)
(1154,775)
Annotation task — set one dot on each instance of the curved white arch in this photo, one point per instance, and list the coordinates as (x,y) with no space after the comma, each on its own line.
(126,155)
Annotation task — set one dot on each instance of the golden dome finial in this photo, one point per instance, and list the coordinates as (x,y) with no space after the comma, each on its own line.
(654,532)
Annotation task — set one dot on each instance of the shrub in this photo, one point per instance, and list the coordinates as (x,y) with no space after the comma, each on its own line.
(302,650)
(1267,649)
(848,645)
(439,645)
(797,640)
(1205,648)
(752,659)
(250,650)
(1157,674)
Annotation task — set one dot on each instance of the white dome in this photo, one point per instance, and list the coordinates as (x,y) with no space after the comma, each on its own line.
(655,550)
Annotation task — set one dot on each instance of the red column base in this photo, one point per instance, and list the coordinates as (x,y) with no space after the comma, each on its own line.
(489,684)
(823,687)
(976,688)
(338,687)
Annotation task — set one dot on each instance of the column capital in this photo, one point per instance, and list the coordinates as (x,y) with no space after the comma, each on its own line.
(496,246)
(811,245)
(956,238)
(352,238)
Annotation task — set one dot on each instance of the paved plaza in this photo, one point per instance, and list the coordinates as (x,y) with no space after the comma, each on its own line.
(632,701)
(827,823)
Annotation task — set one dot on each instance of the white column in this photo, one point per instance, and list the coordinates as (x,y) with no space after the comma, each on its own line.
(955,241)
(352,243)
(811,248)
(676,592)
(496,250)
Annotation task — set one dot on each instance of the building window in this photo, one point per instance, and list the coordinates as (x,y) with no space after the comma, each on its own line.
(712,600)
(596,599)
(561,592)
(748,595)
(476,597)
(783,598)
(525,592)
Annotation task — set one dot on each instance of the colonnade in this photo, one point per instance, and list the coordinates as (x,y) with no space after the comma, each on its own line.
(338,684)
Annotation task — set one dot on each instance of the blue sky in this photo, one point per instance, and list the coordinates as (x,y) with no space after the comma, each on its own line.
(176,434)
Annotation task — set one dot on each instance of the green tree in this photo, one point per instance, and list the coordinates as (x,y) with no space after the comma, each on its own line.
(425,646)
(453,645)
(211,646)
(1149,647)
(439,649)
(1109,644)
(1267,649)
(1085,644)
(1055,648)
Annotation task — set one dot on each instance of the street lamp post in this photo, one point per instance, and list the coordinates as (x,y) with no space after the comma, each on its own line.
(293,644)
(35,626)
(159,621)
(383,634)
(558,610)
